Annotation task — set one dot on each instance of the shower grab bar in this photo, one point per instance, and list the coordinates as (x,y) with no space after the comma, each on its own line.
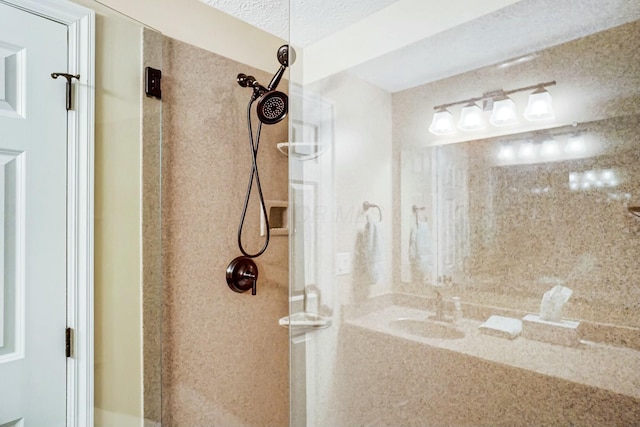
(366,206)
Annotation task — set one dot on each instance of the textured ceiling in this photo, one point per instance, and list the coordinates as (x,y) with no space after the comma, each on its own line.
(516,30)
(314,19)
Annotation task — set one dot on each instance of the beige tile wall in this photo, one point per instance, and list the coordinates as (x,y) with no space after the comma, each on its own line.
(225,357)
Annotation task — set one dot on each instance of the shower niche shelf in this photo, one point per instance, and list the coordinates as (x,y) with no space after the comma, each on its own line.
(278,211)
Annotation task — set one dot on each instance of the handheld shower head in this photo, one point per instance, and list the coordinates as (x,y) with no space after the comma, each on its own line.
(272,105)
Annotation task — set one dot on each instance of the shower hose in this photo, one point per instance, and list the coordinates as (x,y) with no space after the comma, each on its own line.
(253,145)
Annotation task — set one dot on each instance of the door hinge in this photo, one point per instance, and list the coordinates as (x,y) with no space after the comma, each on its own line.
(69,342)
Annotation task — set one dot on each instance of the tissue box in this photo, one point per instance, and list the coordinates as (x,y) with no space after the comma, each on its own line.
(564,332)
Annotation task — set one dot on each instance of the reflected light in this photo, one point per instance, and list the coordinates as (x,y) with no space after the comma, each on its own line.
(506,152)
(575,144)
(526,150)
(550,148)
(592,179)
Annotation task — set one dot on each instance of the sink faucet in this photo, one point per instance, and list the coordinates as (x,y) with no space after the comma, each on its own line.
(440,309)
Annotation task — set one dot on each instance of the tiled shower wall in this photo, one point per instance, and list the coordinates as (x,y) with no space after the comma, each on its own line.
(225,359)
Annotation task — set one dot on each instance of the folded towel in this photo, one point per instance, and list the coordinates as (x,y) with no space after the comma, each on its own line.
(504,327)
(420,251)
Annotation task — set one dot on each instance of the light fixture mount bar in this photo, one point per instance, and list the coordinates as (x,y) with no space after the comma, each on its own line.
(494,94)
(538,86)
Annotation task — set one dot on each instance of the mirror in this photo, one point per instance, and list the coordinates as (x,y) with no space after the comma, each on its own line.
(506,213)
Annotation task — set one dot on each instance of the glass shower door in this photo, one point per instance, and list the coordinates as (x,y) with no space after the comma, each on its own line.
(482,221)
(311,242)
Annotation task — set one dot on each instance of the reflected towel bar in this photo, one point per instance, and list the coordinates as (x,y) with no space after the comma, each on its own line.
(415,210)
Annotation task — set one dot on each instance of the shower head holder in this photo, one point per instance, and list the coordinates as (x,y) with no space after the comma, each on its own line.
(272,104)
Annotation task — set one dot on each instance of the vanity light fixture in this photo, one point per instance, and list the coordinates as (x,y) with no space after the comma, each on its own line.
(503,110)
(471,118)
(442,123)
(540,106)
(547,145)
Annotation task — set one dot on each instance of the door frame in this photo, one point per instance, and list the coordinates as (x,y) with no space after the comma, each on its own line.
(80,195)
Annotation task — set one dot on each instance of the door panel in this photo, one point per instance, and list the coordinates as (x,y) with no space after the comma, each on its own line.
(33,209)
(452,204)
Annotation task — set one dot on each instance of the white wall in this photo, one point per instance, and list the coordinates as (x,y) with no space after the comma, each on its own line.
(195,23)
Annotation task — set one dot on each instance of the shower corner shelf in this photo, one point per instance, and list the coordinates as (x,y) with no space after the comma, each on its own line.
(300,150)
(304,320)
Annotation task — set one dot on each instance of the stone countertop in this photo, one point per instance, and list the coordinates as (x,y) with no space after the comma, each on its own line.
(599,365)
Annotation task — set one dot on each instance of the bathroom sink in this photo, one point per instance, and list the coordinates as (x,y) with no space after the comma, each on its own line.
(427,329)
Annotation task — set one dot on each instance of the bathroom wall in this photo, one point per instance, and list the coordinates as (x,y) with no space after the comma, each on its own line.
(225,357)
(193,22)
(362,160)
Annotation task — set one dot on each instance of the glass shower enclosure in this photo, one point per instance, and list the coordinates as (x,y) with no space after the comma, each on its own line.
(464,193)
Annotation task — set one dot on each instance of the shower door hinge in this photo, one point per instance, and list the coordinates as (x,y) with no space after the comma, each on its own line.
(152,82)
(69,342)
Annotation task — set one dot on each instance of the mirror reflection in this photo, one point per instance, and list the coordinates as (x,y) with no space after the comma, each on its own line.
(500,212)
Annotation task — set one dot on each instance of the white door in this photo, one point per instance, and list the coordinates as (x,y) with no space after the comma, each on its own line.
(33,158)
(452,202)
